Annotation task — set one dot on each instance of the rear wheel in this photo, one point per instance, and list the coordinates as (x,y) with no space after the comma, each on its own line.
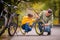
(3,22)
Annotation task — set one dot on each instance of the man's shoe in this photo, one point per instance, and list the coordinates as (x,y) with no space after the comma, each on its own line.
(49,33)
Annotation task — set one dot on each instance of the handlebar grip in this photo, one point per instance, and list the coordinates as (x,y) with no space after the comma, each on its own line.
(2,1)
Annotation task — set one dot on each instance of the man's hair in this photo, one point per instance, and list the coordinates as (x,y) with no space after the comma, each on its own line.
(49,11)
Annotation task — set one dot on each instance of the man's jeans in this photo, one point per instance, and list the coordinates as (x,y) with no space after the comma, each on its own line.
(26,27)
(46,28)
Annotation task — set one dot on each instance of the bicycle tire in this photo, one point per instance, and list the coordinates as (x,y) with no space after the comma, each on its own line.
(22,31)
(37,29)
(14,27)
(2,30)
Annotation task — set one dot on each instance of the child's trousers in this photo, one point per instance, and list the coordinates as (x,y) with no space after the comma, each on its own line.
(26,27)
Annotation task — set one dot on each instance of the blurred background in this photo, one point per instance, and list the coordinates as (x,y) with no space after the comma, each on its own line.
(38,6)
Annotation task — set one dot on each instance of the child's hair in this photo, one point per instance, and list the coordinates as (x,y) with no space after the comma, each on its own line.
(30,15)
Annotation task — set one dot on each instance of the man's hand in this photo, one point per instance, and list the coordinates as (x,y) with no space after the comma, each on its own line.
(46,24)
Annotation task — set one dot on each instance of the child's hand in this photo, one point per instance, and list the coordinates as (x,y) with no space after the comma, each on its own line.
(43,24)
(30,25)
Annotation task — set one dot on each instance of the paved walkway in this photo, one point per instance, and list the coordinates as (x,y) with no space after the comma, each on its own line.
(33,36)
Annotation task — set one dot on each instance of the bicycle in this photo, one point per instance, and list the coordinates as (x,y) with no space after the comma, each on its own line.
(8,22)
(3,21)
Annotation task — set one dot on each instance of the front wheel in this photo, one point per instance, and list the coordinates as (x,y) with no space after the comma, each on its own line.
(37,29)
(12,26)
(12,29)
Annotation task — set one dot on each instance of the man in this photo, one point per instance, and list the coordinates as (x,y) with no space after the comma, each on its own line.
(47,19)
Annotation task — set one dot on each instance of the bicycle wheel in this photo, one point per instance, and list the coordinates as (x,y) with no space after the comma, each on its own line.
(3,22)
(22,31)
(37,29)
(12,26)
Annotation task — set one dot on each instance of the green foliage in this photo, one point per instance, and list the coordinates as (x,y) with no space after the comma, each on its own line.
(37,5)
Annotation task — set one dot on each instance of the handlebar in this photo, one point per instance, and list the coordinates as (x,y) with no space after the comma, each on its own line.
(12,6)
